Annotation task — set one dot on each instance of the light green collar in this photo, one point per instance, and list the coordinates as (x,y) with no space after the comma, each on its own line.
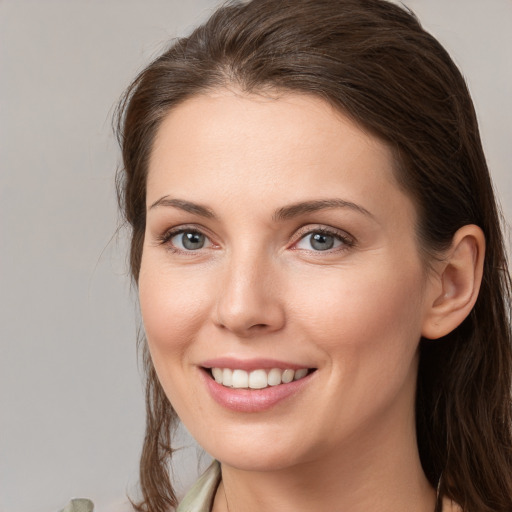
(79,505)
(201,495)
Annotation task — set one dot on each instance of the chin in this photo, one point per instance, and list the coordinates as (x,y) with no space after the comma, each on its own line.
(256,461)
(256,451)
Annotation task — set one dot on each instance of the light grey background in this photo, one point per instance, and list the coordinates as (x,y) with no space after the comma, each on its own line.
(71,404)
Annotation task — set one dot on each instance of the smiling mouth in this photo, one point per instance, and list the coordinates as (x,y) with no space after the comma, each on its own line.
(256,379)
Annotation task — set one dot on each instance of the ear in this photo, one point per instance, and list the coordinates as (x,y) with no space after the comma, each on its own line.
(454,286)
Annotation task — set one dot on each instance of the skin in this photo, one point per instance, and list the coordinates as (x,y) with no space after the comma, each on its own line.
(257,289)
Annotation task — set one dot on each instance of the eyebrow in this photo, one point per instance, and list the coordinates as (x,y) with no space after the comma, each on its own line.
(186,206)
(297,209)
(282,214)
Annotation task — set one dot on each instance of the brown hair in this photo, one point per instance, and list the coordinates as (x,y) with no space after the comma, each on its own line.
(373,61)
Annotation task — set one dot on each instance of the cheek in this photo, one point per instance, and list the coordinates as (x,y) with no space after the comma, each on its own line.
(174,309)
(174,306)
(368,329)
(372,317)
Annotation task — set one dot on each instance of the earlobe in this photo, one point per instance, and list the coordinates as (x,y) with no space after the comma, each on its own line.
(454,288)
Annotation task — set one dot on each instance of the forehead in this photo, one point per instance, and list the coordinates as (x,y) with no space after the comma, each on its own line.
(225,118)
(291,144)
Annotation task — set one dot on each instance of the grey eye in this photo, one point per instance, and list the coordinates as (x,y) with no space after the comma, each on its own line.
(321,241)
(189,240)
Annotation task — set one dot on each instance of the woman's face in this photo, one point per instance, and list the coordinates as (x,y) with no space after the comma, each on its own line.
(279,246)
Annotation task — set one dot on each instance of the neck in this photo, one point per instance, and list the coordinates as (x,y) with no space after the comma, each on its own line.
(377,470)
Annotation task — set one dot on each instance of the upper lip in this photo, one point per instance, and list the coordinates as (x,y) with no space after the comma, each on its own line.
(251,364)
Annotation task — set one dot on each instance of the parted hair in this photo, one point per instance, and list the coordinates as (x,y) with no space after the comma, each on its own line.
(372,60)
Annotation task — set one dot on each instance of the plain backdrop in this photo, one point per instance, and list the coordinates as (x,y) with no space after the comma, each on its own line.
(71,400)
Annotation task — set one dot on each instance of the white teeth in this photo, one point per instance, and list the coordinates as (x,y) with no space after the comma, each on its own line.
(227,377)
(217,375)
(287,376)
(240,379)
(299,374)
(257,379)
(274,377)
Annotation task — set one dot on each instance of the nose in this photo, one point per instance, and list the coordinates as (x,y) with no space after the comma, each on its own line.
(249,297)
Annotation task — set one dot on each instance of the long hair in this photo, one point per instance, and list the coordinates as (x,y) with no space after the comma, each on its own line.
(373,61)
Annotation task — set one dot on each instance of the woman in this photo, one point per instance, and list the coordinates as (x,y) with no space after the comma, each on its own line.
(320,265)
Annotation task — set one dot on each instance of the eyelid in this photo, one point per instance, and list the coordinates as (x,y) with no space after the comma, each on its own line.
(346,238)
(166,237)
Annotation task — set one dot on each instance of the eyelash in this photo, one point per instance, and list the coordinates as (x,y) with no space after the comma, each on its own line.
(346,240)
(165,238)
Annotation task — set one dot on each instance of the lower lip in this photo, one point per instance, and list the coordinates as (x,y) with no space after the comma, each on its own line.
(252,400)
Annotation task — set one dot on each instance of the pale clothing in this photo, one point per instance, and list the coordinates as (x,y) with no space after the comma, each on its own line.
(79,505)
(200,497)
